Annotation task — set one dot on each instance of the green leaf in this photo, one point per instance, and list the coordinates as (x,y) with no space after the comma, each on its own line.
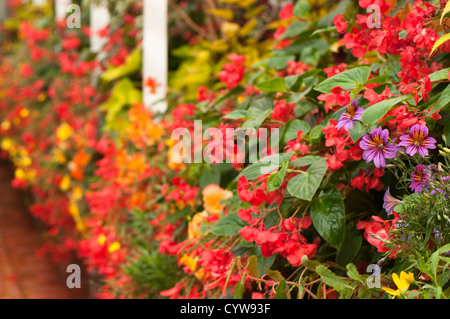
(353,273)
(316,132)
(272,85)
(328,217)
(439,75)
(442,102)
(276,179)
(256,118)
(295,29)
(236,115)
(440,42)
(379,79)
(305,185)
(280,292)
(348,80)
(306,160)
(301,9)
(294,82)
(265,165)
(310,264)
(275,275)
(350,246)
(131,65)
(376,112)
(229,225)
(239,290)
(293,127)
(446,135)
(341,286)
(263,262)
(279,62)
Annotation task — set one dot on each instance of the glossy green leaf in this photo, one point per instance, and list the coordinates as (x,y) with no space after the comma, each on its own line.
(348,80)
(328,217)
(376,112)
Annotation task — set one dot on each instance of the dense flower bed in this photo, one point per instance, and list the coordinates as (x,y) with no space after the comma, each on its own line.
(354,204)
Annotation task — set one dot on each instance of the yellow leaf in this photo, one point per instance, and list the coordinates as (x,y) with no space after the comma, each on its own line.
(248,27)
(230,29)
(254,12)
(222,13)
(252,266)
(446,10)
(240,3)
(440,42)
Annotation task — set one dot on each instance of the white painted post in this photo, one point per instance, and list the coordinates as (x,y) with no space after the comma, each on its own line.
(39,2)
(100,18)
(61,9)
(155,52)
(3,12)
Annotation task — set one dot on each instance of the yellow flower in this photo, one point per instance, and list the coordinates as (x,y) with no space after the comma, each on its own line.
(7,144)
(59,157)
(188,261)
(64,131)
(20,173)
(101,239)
(6,125)
(24,113)
(65,183)
(115,246)
(403,283)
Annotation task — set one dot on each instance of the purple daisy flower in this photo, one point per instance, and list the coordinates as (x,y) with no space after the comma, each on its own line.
(352,113)
(377,148)
(419,178)
(390,202)
(418,141)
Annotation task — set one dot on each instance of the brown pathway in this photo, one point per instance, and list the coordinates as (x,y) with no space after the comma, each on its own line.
(23,275)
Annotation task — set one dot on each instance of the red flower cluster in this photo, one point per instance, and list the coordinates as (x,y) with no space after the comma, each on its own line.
(232,73)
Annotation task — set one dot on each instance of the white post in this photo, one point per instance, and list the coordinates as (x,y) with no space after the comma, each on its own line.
(3,12)
(155,53)
(100,19)
(39,2)
(61,9)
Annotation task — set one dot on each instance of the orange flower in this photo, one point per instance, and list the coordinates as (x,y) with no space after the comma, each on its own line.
(152,84)
(78,164)
(212,195)
(194,224)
